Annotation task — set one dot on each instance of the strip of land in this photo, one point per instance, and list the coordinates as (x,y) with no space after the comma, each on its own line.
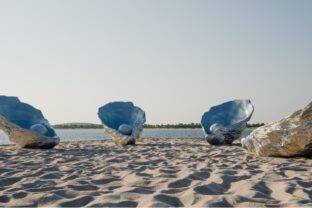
(147,126)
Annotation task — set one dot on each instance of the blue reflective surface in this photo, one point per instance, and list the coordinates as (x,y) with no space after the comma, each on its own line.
(116,114)
(24,115)
(227,114)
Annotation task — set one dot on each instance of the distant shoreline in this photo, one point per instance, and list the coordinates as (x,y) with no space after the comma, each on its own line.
(146,126)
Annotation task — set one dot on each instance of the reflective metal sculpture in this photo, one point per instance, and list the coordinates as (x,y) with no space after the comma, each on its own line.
(224,123)
(122,121)
(25,125)
(290,136)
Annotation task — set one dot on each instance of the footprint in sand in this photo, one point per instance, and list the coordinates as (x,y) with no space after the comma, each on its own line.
(4,199)
(119,204)
(51,176)
(83,187)
(203,175)
(104,181)
(169,200)
(174,190)
(210,189)
(305,184)
(219,203)
(66,193)
(142,190)
(9,181)
(19,195)
(262,191)
(40,185)
(77,202)
(169,171)
(71,177)
(49,199)
(180,183)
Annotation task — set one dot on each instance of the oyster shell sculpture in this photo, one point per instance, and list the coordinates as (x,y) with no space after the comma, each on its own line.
(25,125)
(122,121)
(224,123)
(291,136)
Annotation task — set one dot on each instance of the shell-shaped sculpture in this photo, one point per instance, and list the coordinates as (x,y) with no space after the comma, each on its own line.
(224,123)
(122,121)
(25,125)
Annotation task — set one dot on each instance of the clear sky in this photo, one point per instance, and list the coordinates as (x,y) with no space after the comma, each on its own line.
(173,58)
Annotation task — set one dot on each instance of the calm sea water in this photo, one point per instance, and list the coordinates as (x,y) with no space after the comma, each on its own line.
(69,135)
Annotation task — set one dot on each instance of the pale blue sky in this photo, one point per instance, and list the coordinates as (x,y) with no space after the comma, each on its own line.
(173,58)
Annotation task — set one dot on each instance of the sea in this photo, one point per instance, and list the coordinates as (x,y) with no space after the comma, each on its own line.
(71,135)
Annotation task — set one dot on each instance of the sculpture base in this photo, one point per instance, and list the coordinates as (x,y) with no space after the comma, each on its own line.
(120,139)
(224,139)
(25,138)
(123,142)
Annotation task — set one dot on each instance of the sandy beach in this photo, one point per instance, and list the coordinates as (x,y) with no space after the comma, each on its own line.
(153,173)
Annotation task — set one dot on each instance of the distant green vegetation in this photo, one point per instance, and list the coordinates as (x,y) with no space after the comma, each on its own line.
(78,126)
(147,126)
(255,125)
(188,126)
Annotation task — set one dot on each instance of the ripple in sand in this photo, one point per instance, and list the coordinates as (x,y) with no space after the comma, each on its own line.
(19,195)
(203,175)
(77,202)
(210,189)
(86,187)
(143,190)
(9,181)
(119,204)
(169,200)
(180,183)
(4,199)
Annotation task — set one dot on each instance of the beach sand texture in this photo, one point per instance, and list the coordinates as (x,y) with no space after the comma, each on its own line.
(155,172)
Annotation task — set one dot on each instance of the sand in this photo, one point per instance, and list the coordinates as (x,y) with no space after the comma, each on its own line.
(155,172)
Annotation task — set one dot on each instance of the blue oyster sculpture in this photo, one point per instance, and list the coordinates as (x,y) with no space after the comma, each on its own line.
(122,121)
(25,125)
(224,123)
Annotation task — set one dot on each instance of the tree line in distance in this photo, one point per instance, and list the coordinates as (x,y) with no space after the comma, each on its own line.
(147,126)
